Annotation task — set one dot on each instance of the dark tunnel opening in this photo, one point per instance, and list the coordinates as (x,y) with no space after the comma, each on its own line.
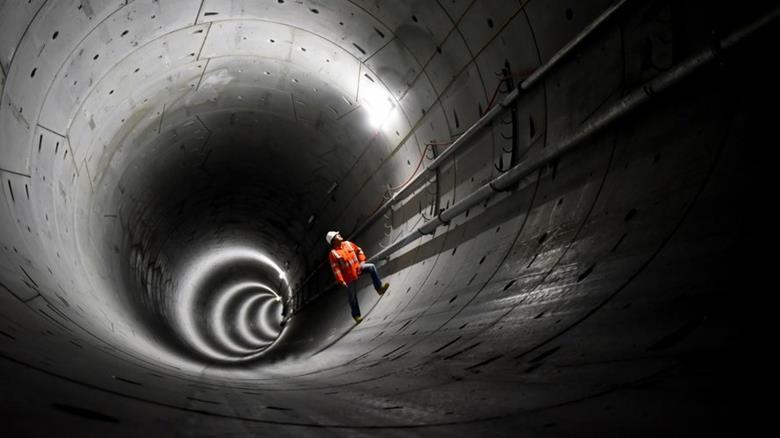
(182,206)
(561,196)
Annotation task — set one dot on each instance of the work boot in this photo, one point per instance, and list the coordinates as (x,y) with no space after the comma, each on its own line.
(381,290)
(358,319)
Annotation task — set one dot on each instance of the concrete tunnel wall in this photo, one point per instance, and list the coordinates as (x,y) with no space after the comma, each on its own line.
(138,137)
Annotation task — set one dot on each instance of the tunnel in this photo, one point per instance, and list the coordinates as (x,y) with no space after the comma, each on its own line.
(569,201)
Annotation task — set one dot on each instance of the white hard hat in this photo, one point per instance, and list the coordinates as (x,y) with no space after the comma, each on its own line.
(330,236)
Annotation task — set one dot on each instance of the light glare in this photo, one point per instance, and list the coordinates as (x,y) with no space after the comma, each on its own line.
(378,102)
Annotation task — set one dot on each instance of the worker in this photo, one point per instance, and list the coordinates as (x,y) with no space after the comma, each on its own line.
(348,263)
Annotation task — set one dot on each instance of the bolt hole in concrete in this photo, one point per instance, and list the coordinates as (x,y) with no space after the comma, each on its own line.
(586,273)
(84,413)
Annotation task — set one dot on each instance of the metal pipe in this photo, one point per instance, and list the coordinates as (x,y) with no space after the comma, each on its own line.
(473,129)
(625,106)
(571,45)
(486,118)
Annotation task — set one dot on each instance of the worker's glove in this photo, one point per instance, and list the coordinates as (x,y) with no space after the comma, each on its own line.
(344,284)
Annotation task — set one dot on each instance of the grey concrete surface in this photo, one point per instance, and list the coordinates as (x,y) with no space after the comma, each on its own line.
(169,169)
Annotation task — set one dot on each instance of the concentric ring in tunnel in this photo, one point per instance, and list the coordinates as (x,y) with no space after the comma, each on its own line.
(220,317)
(192,289)
(264,315)
(243,323)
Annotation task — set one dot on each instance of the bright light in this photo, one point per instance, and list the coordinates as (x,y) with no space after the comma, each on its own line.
(378,103)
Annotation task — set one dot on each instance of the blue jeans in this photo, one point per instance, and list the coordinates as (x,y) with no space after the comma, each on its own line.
(352,287)
(371,269)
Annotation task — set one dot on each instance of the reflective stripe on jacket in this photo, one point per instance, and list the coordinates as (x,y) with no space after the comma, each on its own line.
(345,262)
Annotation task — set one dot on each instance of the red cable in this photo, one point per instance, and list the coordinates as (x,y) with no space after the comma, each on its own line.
(523,74)
(416,169)
(419,163)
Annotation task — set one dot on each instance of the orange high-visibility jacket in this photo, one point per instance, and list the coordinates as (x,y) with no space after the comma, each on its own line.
(345,262)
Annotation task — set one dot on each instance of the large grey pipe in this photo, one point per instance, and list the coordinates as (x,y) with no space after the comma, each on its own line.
(595,125)
(463,140)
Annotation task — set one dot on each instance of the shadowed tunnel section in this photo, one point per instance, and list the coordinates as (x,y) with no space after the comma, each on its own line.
(169,170)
